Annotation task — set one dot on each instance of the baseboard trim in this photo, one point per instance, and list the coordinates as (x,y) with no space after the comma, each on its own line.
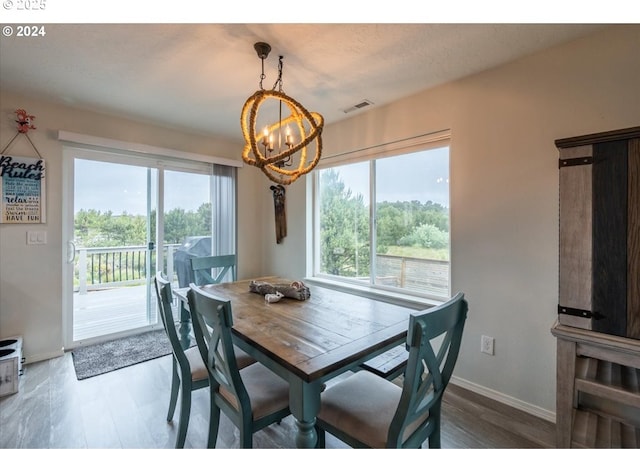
(44,356)
(534,410)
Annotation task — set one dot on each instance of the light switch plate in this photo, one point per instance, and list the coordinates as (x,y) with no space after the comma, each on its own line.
(36,237)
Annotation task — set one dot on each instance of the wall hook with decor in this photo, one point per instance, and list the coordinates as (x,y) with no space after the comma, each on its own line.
(22,180)
(25,123)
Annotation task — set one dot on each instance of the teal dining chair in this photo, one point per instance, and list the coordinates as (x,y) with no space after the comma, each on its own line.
(366,410)
(203,267)
(253,397)
(188,370)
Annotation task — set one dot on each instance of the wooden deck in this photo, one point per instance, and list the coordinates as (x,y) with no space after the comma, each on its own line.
(112,311)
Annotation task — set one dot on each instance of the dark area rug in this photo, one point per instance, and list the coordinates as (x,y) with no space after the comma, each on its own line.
(101,358)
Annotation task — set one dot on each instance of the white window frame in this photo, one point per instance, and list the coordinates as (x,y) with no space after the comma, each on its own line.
(419,143)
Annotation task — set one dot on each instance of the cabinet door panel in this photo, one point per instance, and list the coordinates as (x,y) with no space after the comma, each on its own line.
(610,164)
(633,242)
(575,236)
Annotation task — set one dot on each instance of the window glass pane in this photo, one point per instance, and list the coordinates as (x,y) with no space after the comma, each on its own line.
(187,222)
(409,222)
(344,221)
(412,221)
(187,207)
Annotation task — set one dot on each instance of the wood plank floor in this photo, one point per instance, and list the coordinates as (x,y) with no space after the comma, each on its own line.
(127,409)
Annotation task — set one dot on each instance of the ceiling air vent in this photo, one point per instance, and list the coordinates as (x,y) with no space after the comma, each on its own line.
(360,105)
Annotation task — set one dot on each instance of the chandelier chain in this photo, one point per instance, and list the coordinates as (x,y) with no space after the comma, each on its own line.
(278,82)
(262,76)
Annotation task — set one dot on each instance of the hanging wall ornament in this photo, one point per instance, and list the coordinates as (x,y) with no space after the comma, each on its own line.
(279,211)
(25,123)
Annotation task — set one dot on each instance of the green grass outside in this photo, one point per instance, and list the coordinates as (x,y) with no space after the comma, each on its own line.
(418,252)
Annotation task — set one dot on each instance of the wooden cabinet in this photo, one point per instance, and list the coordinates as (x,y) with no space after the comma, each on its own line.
(598,326)
(598,389)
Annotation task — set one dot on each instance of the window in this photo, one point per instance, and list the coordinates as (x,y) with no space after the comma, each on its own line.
(382,220)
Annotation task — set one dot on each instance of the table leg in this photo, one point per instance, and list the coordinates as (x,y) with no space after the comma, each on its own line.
(307,436)
(304,402)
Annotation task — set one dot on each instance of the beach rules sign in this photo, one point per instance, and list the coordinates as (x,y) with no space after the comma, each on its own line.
(22,190)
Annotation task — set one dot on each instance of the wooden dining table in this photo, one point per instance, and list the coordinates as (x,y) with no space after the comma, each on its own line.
(308,342)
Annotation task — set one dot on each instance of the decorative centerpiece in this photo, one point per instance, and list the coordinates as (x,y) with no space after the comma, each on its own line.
(275,292)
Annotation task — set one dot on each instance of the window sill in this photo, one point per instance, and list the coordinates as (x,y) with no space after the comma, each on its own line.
(403,299)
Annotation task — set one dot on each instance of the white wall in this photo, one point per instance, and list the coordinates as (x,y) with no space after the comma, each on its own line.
(504,193)
(31,276)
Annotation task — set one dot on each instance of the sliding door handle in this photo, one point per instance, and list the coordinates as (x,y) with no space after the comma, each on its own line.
(71,251)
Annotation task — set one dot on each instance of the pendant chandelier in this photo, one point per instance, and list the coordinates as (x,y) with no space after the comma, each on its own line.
(284,148)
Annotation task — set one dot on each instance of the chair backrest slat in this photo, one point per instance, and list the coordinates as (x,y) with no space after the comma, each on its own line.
(212,321)
(202,268)
(433,342)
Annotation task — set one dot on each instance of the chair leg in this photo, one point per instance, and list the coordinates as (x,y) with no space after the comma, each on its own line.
(214,424)
(175,387)
(434,438)
(321,443)
(185,411)
(246,435)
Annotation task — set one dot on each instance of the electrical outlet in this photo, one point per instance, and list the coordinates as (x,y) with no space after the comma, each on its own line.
(486,344)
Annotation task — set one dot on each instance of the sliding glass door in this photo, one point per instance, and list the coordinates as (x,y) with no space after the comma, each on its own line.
(126,218)
(113,234)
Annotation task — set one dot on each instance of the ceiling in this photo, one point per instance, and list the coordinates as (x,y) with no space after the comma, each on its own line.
(197,77)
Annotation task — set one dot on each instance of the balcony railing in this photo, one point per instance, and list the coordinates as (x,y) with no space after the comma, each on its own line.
(108,267)
(421,275)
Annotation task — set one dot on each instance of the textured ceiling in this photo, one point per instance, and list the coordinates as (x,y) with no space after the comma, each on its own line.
(197,77)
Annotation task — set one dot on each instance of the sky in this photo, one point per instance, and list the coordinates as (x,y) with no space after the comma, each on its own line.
(415,176)
(122,188)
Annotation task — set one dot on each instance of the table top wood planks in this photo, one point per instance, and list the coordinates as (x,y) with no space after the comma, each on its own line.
(316,337)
